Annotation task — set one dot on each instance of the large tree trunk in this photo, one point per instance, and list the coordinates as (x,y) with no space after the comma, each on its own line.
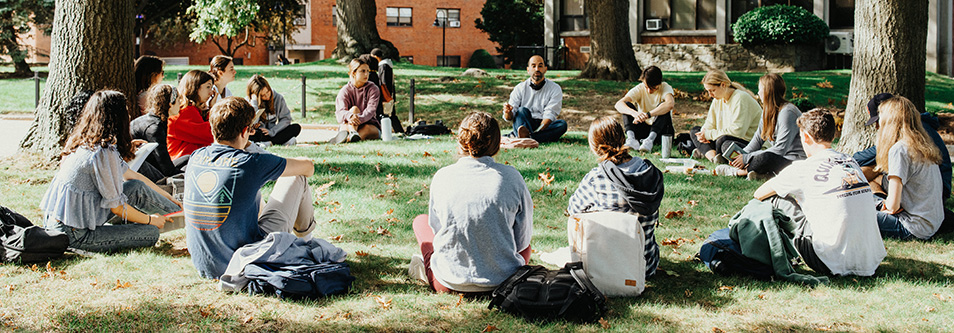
(91,50)
(611,49)
(357,31)
(889,57)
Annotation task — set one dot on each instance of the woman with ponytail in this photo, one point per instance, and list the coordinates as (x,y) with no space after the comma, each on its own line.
(480,217)
(733,117)
(620,183)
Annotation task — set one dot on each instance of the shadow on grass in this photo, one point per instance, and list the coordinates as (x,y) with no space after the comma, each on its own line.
(372,272)
(686,287)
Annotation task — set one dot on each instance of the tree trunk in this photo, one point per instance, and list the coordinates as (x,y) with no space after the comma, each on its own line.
(889,57)
(611,49)
(357,31)
(91,50)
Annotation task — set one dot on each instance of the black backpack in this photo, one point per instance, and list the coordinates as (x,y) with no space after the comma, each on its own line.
(422,127)
(724,256)
(25,242)
(536,293)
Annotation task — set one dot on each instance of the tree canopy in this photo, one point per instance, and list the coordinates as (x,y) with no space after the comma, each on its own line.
(18,17)
(512,23)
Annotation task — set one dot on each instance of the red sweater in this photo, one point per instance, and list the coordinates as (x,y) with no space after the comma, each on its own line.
(188,132)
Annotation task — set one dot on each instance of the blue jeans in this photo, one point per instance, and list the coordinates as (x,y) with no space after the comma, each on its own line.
(891,226)
(115,235)
(552,133)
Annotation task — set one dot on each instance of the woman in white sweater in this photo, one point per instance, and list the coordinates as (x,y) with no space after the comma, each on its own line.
(480,217)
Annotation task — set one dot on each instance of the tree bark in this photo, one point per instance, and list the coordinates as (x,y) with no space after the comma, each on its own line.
(889,57)
(357,31)
(91,50)
(611,49)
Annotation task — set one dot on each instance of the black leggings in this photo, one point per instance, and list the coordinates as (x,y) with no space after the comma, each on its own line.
(720,144)
(767,163)
(662,125)
(278,138)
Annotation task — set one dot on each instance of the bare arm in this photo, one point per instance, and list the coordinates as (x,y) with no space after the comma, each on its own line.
(764,192)
(134,215)
(544,124)
(299,166)
(892,205)
(667,105)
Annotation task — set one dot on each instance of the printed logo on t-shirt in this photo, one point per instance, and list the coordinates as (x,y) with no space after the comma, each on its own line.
(208,207)
(851,183)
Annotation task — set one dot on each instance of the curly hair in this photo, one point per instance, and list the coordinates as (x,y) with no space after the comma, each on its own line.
(104,122)
(160,100)
(606,140)
(479,135)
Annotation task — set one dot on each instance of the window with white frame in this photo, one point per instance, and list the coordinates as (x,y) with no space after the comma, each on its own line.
(398,16)
(572,16)
(449,16)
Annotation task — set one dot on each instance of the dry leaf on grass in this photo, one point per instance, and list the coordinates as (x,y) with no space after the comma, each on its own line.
(825,84)
(675,214)
(382,231)
(605,324)
(389,211)
(490,328)
(726,288)
(336,238)
(247,319)
(426,154)
(385,303)
(360,253)
(717,330)
(546,177)
(378,165)
(121,285)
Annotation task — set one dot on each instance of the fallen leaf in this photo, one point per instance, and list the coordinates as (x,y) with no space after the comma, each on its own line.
(389,211)
(336,238)
(385,303)
(8,288)
(426,154)
(360,253)
(412,200)
(382,231)
(547,178)
(552,227)
(460,299)
(692,202)
(347,178)
(726,288)
(825,84)
(675,214)
(120,285)
(688,293)
(605,324)
(490,328)
(717,330)
(761,296)
(247,319)
(390,177)
(378,165)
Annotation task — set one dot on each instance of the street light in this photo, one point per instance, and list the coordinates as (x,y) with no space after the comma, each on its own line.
(442,22)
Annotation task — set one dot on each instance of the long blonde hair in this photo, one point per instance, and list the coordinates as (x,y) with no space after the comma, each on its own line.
(899,121)
(716,77)
(774,100)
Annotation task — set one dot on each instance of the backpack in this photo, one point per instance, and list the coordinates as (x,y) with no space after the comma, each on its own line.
(597,239)
(536,293)
(724,256)
(422,127)
(300,281)
(24,242)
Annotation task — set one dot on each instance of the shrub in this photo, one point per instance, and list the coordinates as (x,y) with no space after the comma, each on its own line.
(779,24)
(481,59)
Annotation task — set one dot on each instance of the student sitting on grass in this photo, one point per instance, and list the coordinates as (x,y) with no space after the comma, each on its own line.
(275,125)
(153,127)
(149,73)
(222,68)
(647,110)
(777,127)
(95,198)
(535,104)
(733,117)
(908,158)
(480,217)
(356,106)
(829,201)
(189,126)
(222,192)
(621,183)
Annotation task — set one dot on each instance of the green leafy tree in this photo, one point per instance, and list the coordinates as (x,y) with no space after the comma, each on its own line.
(17,17)
(512,23)
(230,23)
(165,22)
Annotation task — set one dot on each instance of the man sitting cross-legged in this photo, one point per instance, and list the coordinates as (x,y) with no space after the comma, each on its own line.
(828,198)
(535,104)
(222,191)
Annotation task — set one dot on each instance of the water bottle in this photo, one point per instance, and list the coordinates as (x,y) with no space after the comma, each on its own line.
(386,129)
(666,145)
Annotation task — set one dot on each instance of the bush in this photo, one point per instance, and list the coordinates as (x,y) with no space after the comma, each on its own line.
(779,24)
(481,59)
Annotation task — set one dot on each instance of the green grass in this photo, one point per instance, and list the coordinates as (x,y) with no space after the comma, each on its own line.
(912,290)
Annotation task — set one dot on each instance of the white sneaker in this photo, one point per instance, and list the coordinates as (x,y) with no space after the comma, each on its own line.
(725,170)
(632,143)
(415,269)
(290,142)
(647,145)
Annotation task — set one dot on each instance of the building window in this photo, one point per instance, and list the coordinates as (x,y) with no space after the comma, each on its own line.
(399,16)
(448,61)
(841,15)
(334,16)
(451,16)
(407,59)
(301,18)
(572,16)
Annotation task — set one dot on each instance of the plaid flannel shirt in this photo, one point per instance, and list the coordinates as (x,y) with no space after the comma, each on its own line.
(596,193)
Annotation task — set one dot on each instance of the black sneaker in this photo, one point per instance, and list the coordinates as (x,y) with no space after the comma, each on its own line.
(353,137)
(341,137)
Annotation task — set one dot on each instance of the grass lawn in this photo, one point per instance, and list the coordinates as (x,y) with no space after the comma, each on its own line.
(384,185)
(380,186)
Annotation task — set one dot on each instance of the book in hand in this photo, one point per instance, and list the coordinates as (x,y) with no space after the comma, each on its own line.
(732,152)
(178,222)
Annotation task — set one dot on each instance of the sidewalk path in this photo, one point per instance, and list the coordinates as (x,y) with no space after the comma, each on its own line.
(14,127)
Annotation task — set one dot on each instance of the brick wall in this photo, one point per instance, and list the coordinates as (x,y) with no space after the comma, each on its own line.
(200,54)
(421,40)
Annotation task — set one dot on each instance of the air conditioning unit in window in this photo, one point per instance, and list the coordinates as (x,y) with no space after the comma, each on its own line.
(654,24)
(454,24)
(840,42)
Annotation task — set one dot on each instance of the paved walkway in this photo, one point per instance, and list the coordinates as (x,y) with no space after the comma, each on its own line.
(15,127)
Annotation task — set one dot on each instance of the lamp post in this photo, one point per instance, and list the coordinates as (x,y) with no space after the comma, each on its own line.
(442,22)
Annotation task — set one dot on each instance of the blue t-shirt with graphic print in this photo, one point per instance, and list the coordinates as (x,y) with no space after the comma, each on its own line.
(221,203)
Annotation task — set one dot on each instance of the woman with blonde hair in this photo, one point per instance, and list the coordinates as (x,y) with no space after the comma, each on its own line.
(778,126)
(621,183)
(357,104)
(475,236)
(913,206)
(733,116)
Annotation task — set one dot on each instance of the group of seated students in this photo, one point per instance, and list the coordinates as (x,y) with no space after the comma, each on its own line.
(472,240)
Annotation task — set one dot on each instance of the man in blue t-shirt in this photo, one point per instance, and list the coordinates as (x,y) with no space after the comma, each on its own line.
(221,200)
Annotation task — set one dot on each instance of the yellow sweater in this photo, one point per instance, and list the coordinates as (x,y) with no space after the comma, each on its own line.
(739,117)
